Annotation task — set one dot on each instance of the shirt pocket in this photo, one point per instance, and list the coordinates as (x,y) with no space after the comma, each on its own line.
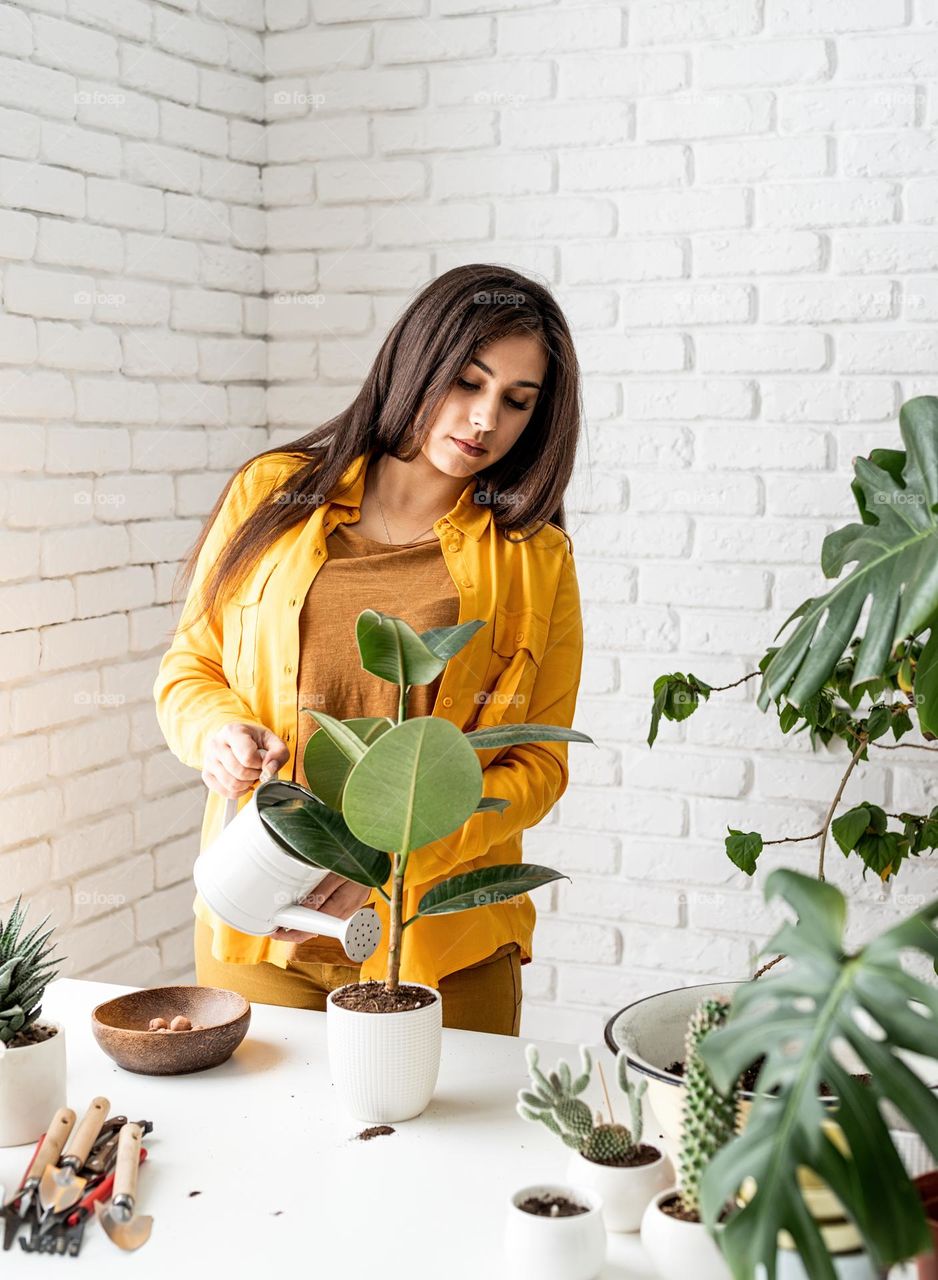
(519,641)
(240,620)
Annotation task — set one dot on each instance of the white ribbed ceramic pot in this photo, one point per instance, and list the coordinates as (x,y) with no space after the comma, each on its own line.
(625,1190)
(679,1249)
(385,1065)
(539,1248)
(32,1087)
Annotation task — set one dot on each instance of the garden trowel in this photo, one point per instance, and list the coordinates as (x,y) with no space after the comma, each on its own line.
(60,1187)
(128,1230)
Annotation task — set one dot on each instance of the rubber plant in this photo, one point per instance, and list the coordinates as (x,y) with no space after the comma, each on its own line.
(799,1017)
(830,663)
(384,787)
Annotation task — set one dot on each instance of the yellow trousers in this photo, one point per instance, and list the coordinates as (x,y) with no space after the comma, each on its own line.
(484,997)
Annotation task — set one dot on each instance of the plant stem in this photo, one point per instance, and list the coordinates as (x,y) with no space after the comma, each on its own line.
(835,802)
(720,688)
(602,1078)
(395,930)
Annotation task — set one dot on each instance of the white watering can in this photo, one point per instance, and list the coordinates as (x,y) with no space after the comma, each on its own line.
(254,884)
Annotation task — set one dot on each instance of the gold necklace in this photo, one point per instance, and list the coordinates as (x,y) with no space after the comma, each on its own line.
(388,531)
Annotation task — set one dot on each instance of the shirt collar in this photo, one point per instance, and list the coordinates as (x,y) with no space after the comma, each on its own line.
(467,516)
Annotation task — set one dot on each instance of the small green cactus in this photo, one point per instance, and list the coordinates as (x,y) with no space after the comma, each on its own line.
(709,1118)
(553,1099)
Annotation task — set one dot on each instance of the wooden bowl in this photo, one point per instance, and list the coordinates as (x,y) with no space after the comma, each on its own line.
(121,1028)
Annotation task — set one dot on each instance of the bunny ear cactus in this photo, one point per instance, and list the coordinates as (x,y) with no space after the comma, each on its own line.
(708,1117)
(553,1099)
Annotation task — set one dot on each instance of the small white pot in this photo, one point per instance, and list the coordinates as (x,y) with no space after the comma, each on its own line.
(624,1190)
(680,1249)
(32,1087)
(385,1065)
(571,1248)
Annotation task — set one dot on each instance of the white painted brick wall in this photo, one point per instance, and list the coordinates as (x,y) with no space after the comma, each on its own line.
(735,204)
(124,175)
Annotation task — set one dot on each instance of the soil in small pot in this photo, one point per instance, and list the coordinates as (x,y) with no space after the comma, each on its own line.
(35,1033)
(552,1207)
(372,997)
(642,1154)
(751,1075)
(673,1207)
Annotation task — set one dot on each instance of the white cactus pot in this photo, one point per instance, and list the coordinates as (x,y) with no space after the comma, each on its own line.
(539,1248)
(32,1087)
(625,1190)
(385,1065)
(680,1249)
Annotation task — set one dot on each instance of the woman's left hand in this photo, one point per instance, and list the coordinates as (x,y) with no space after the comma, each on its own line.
(334,896)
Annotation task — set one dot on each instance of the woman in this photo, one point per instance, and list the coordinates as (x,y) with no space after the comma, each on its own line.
(436,496)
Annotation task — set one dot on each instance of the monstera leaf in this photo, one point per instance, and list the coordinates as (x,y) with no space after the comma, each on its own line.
(798,1017)
(895,554)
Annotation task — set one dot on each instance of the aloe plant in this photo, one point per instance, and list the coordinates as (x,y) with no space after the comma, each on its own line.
(385,788)
(25,972)
(798,1017)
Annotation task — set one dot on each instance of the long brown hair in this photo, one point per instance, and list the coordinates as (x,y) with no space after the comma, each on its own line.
(456,315)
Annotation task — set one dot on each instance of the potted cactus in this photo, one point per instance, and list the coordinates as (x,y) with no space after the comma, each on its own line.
(32,1053)
(381,789)
(608,1157)
(673,1231)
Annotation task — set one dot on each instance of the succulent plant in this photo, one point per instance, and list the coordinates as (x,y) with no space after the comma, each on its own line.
(25,972)
(553,1099)
(708,1116)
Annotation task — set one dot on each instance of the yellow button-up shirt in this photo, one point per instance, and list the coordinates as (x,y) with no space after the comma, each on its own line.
(523,665)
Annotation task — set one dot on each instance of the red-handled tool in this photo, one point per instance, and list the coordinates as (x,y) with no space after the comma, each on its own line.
(63,1232)
(17,1210)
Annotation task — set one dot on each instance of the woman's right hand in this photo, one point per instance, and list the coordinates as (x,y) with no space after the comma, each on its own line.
(237,755)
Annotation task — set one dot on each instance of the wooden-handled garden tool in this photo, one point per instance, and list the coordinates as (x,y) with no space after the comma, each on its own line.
(128,1230)
(61,1187)
(16,1210)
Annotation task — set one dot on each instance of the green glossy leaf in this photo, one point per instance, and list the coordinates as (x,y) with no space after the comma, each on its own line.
(895,554)
(321,836)
(392,650)
(485,886)
(743,849)
(510,735)
(345,739)
(788,717)
(799,1016)
(446,642)
(327,767)
(926,684)
(420,781)
(850,826)
(489,803)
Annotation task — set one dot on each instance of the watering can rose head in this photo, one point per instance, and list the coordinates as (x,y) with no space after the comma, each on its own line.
(383,787)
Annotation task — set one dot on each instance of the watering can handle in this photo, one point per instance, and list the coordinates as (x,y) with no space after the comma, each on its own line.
(231,804)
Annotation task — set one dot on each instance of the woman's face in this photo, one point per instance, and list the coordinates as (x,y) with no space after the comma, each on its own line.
(490,404)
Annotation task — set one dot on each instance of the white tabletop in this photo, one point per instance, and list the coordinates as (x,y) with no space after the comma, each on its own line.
(284,1184)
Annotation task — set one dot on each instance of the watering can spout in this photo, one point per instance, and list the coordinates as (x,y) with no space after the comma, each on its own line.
(255,885)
